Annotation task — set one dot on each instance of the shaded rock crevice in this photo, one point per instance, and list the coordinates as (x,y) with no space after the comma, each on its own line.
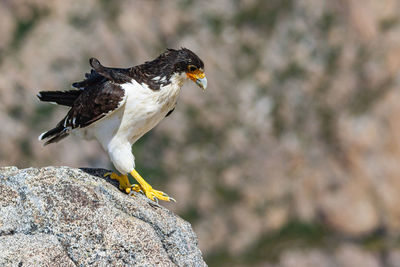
(83,218)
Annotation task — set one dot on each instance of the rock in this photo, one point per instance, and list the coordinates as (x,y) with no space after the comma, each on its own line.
(32,250)
(76,217)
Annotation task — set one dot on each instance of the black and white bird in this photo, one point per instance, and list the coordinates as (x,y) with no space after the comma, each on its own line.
(117,106)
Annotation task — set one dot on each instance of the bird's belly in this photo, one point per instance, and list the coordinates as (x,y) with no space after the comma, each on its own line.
(142,122)
(141,118)
(103,130)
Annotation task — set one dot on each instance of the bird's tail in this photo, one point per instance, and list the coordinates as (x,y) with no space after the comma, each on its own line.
(55,134)
(65,98)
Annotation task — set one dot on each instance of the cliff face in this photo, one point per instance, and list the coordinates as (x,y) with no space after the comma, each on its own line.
(76,217)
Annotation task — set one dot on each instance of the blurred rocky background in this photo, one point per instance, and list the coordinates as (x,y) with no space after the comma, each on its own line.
(290,158)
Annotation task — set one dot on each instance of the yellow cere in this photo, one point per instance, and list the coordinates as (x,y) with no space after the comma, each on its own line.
(194,75)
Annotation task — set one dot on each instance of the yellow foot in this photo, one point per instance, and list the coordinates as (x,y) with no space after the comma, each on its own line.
(135,188)
(124,183)
(148,189)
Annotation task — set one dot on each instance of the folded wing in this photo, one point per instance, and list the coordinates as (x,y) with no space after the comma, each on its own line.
(101,94)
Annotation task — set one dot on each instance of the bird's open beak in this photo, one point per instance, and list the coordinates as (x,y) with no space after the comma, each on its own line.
(199,78)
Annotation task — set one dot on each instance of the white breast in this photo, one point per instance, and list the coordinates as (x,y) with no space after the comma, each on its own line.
(145,108)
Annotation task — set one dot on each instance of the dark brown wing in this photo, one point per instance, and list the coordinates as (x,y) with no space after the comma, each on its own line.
(90,79)
(100,74)
(102,94)
(95,102)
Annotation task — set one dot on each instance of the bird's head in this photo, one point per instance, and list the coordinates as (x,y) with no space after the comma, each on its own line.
(189,63)
(183,63)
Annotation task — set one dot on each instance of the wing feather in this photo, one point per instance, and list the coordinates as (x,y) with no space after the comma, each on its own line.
(101,95)
(94,103)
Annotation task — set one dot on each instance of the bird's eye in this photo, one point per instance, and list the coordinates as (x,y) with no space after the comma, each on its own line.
(192,68)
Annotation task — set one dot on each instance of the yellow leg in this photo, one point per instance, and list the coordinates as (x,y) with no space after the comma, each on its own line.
(124,183)
(148,190)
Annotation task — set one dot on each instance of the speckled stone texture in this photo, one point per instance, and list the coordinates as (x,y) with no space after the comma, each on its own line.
(59,216)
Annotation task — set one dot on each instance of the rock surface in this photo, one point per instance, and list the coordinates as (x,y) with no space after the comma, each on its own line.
(76,218)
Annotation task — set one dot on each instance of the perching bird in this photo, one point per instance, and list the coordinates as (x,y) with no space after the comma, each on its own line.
(117,106)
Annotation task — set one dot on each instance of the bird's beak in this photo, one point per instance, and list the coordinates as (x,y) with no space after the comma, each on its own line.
(199,78)
(202,82)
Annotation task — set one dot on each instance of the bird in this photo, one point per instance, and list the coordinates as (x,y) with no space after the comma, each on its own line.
(117,106)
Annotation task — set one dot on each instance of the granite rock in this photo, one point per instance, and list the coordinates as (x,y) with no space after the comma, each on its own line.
(75,217)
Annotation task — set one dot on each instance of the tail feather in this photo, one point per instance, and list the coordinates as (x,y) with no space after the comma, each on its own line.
(55,134)
(56,138)
(65,98)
